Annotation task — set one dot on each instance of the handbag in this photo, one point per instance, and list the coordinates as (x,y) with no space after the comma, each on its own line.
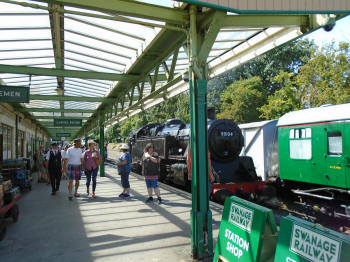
(97,160)
(121,170)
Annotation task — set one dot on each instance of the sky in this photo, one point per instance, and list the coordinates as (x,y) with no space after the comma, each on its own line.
(340,33)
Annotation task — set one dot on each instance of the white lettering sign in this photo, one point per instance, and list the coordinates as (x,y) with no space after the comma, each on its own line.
(241,217)
(236,245)
(314,246)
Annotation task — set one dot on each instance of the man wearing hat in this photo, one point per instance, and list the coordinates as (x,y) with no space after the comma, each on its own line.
(54,165)
(73,165)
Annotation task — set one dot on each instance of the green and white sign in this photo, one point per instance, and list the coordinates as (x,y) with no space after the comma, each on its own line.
(14,94)
(302,241)
(67,122)
(247,233)
(63,135)
(241,217)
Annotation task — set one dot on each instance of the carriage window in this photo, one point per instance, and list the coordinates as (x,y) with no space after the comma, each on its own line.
(335,143)
(291,133)
(308,132)
(300,149)
(300,146)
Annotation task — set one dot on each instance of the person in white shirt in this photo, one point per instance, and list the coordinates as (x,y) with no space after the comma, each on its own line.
(73,165)
(64,152)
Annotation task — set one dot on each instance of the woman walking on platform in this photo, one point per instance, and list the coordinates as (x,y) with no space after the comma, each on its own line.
(150,170)
(92,160)
(124,168)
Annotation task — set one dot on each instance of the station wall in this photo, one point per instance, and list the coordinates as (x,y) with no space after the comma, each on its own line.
(29,135)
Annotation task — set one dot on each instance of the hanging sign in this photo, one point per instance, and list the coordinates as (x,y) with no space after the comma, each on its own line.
(302,241)
(63,135)
(14,94)
(67,122)
(248,232)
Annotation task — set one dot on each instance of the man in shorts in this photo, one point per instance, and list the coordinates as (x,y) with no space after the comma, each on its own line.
(73,165)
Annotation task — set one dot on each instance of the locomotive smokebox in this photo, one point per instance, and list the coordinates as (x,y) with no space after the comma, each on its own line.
(225,140)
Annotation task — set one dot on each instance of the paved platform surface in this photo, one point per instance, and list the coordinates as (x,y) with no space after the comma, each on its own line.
(51,228)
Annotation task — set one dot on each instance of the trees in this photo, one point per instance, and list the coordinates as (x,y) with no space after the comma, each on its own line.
(286,58)
(241,99)
(282,101)
(323,79)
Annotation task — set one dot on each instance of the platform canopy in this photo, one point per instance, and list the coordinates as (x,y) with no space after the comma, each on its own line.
(104,61)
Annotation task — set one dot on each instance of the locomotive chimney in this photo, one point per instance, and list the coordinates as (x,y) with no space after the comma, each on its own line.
(211,113)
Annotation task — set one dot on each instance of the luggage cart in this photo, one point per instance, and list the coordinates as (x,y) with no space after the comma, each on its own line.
(8,210)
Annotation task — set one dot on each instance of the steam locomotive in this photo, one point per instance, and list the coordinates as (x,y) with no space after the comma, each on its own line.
(233,173)
(312,172)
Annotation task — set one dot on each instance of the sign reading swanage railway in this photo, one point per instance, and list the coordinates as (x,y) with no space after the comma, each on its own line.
(303,241)
(67,122)
(14,94)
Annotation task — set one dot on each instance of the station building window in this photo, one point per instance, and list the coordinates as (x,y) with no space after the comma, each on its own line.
(335,143)
(300,146)
(20,145)
(6,142)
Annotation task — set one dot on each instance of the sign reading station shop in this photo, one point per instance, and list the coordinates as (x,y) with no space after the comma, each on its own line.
(67,122)
(247,232)
(14,94)
(301,241)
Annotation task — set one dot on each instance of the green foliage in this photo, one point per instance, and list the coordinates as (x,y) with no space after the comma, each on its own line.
(241,99)
(282,101)
(112,134)
(286,58)
(325,79)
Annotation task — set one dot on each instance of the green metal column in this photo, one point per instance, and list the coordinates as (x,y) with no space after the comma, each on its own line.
(201,216)
(102,150)
(36,140)
(86,142)
(16,137)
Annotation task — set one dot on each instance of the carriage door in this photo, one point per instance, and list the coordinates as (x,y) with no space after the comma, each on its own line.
(334,156)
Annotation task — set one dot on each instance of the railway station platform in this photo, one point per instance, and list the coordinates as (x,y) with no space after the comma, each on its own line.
(108,228)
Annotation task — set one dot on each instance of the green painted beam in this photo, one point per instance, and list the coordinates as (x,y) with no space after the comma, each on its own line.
(129,8)
(60,117)
(210,36)
(50,124)
(55,110)
(77,98)
(72,98)
(265,20)
(66,73)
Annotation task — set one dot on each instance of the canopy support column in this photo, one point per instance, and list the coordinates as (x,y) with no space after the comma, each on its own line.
(199,44)
(16,137)
(102,151)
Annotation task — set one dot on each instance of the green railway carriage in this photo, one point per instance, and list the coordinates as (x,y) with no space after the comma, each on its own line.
(314,147)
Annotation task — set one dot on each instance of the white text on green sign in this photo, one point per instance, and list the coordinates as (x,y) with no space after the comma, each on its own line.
(236,245)
(241,217)
(14,94)
(67,122)
(63,135)
(314,246)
